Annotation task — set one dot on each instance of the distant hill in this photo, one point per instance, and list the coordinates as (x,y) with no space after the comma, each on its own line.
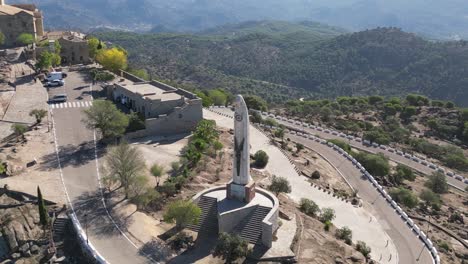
(382,61)
(276,28)
(441,19)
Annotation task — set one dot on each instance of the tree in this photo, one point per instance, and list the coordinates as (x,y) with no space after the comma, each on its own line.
(404,196)
(231,247)
(255,102)
(437,183)
(104,116)
(363,248)
(261,159)
(345,234)
(157,171)
(124,164)
(299,147)
(408,112)
(39,114)
(217,146)
(2,38)
(43,214)
(430,198)
(327,215)
(279,133)
(375,99)
(25,39)
(45,60)
(403,172)
(377,165)
(218,97)
(94,46)
(141,73)
(19,130)
(113,59)
(183,213)
(309,207)
(279,184)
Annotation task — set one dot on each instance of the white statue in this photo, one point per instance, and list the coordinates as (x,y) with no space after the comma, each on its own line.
(242,185)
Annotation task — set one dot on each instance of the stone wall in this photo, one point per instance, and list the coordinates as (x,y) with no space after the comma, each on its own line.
(181,120)
(74,51)
(14,25)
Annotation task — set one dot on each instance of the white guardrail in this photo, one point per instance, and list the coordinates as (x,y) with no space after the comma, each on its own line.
(409,223)
(84,241)
(408,156)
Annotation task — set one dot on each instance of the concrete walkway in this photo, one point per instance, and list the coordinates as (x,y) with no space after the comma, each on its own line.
(357,219)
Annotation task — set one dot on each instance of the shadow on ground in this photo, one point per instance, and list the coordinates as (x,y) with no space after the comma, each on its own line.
(204,246)
(92,214)
(72,155)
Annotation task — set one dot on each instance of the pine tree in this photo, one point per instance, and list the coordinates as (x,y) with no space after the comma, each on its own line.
(43,215)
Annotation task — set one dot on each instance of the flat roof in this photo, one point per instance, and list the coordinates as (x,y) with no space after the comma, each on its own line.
(149,91)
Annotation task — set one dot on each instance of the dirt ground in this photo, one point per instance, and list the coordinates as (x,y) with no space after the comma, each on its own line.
(39,145)
(329,176)
(453,201)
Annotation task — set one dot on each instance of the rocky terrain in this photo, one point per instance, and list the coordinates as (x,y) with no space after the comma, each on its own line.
(22,239)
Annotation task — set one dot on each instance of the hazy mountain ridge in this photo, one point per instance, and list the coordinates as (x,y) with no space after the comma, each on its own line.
(434,18)
(385,61)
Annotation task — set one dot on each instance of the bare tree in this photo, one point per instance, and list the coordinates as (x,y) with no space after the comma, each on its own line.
(124,164)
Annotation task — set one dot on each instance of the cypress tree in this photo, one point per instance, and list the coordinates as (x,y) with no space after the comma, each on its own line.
(43,215)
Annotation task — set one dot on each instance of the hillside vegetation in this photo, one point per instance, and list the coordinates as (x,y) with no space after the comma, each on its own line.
(281,64)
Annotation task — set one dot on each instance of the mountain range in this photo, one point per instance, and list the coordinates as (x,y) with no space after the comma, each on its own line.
(437,19)
(280,60)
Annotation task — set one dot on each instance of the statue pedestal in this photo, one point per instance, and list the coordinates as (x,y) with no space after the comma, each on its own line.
(240,192)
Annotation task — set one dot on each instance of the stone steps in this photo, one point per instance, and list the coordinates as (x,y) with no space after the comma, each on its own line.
(208,221)
(59,227)
(250,228)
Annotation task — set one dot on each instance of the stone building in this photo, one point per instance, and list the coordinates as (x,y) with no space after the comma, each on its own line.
(18,19)
(74,46)
(166,110)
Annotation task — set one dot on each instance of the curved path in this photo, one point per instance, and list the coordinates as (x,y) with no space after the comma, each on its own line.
(376,222)
(77,158)
(418,164)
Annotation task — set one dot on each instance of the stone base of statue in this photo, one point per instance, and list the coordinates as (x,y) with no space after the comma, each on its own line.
(240,192)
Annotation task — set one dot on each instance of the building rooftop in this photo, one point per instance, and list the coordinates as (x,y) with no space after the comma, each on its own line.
(149,91)
(13,10)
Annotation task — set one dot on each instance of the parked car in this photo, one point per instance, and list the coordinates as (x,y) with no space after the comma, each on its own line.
(59,98)
(55,83)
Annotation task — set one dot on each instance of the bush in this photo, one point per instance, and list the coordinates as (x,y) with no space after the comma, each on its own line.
(231,247)
(279,184)
(327,225)
(445,246)
(316,175)
(404,196)
(363,248)
(340,143)
(403,172)
(146,198)
(345,234)
(270,122)
(437,183)
(430,198)
(261,159)
(328,214)
(377,165)
(168,188)
(309,207)
(135,122)
(183,213)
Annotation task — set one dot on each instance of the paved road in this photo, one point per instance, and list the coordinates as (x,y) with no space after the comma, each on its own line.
(77,151)
(410,249)
(392,155)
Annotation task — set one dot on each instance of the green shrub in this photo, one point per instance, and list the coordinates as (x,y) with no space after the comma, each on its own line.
(327,225)
(404,196)
(231,247)
(309,207)
(363,248)
(327,215)
(345,234)
(437,183)
(279,184)
(261,159)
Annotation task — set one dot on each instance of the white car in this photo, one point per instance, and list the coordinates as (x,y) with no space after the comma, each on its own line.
(55,83)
